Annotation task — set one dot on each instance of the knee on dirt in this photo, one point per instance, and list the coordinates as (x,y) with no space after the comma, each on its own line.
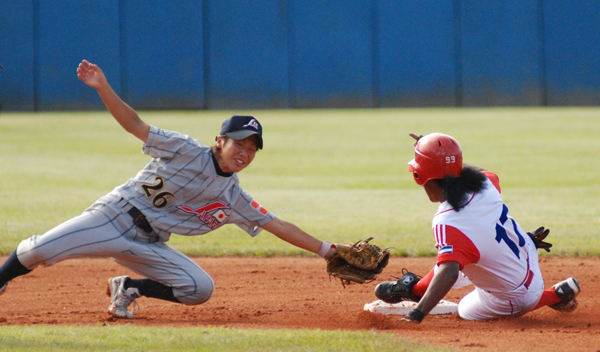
(195,294)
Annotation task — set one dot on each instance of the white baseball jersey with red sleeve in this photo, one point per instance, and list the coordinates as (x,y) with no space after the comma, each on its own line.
(491,248)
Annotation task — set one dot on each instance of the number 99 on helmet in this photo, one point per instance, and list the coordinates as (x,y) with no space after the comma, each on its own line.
(437,155)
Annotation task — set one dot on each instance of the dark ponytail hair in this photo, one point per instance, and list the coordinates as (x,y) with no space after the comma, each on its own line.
(456,189)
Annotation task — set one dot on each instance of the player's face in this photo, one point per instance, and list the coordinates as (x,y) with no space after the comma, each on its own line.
(433,191)
(236,155)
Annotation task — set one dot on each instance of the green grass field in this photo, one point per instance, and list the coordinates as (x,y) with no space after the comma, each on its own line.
(339,174)
(129,338)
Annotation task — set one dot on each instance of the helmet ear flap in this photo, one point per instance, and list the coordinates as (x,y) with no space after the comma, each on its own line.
(414,167)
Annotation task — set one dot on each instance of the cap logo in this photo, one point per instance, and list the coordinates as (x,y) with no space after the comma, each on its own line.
(253,123)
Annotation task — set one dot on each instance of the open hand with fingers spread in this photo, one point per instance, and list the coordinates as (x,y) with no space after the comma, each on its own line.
(91,75)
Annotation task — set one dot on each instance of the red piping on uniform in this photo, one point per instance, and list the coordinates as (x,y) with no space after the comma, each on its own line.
(528,277)
(467,203)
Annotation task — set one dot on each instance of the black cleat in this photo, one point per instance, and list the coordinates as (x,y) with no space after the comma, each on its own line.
(567,290)
(398,291)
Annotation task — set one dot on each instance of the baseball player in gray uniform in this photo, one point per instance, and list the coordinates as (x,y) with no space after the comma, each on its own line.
(187,188)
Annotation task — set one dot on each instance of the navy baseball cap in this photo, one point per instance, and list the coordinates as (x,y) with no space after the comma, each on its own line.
(240,127)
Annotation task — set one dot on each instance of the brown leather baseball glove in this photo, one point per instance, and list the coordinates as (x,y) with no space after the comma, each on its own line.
(359,263)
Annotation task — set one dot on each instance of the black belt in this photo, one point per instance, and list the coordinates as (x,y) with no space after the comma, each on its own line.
(140,220)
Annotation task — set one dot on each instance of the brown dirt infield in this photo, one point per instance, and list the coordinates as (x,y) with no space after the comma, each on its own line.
(295,293)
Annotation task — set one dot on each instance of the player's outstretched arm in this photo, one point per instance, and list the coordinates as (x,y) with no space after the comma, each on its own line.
(93,76)
(441,283)
(292,234)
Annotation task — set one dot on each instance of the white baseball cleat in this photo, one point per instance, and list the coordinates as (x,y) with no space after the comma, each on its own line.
(121,298)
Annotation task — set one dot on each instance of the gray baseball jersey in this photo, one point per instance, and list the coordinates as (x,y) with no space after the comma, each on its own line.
(182,190)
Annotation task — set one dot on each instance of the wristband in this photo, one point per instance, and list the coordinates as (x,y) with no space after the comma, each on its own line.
(325,247)
(416,315)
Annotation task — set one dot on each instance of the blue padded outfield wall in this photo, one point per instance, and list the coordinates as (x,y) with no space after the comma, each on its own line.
(236,54)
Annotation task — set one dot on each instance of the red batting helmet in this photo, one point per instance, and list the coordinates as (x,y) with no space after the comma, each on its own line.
(437,155)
